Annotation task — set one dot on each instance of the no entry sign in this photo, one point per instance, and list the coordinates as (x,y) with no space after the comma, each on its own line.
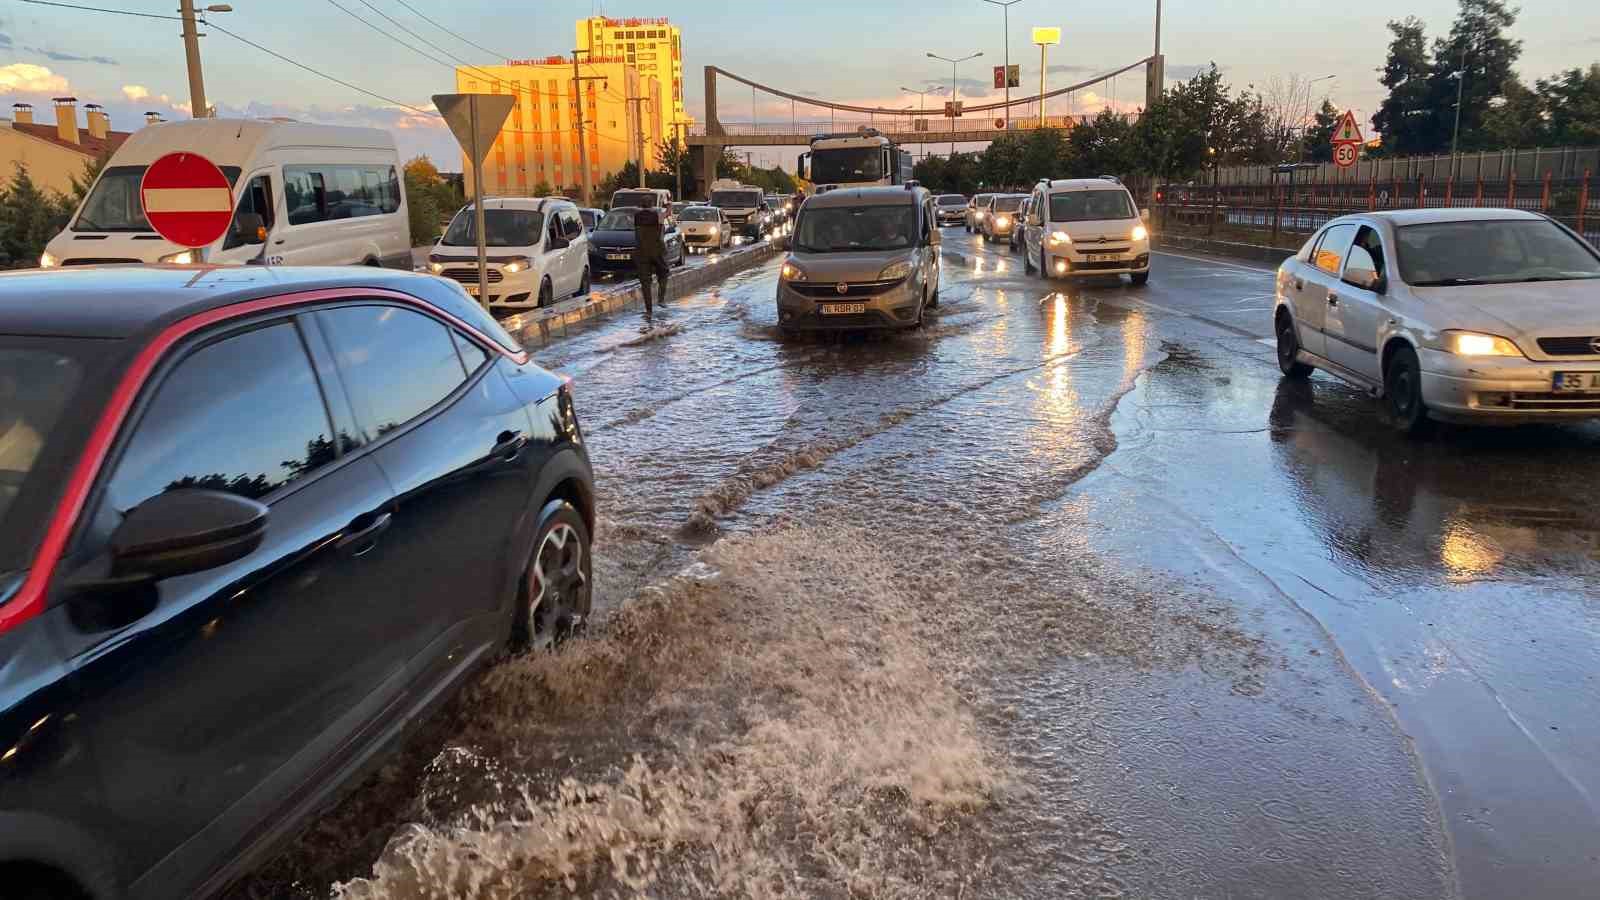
(187,199)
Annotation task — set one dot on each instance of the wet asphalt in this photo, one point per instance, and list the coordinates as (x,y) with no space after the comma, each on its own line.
(1422,725)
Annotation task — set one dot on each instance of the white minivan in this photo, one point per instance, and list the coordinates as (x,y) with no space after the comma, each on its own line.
(1086,226)
(304,195)
(538,251)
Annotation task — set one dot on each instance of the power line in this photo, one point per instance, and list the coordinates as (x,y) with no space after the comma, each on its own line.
(419,14)
(119,12)
(320,74)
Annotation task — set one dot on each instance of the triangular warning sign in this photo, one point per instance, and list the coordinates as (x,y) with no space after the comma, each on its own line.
(1347,131)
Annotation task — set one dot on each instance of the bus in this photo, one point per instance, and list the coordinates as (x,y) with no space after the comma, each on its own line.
(864,159)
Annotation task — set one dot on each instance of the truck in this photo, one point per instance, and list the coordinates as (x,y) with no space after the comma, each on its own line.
(745,206)
(864,159)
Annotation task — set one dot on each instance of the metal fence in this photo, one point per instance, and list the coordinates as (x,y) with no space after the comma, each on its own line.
(1526,164)
(1282,215)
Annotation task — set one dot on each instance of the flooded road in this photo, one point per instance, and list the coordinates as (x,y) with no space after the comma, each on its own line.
(1065,595)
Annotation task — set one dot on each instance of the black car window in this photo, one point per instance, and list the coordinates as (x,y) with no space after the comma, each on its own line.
(244,414)
(472,355)
(396,363)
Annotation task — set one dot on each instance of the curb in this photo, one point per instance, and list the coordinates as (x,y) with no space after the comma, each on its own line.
(1250,252)
(539,327)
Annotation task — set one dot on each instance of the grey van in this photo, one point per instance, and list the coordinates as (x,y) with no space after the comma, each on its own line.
(861,258)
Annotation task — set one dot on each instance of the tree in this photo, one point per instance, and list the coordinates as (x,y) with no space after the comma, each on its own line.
(29,217)
(1571,101)
(1479,52)
(1171,138)
(675,162)
(1517,121)
(430,198)
(1103,146)
(1319,137)
(1406,119)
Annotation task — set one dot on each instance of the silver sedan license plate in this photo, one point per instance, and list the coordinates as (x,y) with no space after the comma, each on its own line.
(843,309)
(1577,382)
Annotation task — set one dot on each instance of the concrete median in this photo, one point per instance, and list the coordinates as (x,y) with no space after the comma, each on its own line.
(539,327)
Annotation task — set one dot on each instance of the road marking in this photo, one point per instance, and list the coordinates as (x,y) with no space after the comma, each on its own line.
(1267,342)
(1216,262)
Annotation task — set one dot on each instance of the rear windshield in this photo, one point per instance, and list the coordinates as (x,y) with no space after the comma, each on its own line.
(1492,252)
(115,203)
(1090,206)
(700,214)
(1008,204)
(618,220)
(952,200)
(735,199)
(644,199)
(501,228)
(39,380)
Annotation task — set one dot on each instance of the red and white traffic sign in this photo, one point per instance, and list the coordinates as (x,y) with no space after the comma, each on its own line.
(1347,131)
(187,199)
(1346,154)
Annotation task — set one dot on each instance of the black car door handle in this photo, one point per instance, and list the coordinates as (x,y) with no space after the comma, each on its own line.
(362,534)
(509,445)
(1333,299)
(1299,284)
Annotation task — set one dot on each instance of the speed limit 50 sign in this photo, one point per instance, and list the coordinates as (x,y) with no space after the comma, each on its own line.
(1345,155)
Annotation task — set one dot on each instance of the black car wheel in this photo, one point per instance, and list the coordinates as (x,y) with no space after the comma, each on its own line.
(1027,259)
(545,294)
(1140,279)
(1402,387)
(585,286)
(1289,349)
(557,589)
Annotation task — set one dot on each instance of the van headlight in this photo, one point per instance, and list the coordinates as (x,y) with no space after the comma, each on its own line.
(436,267)
(1140,233)
(792,272)
(715,231)
(181,258)
(517,264)
(1002,222)
(1060,237)
(1470,343)
(48,260)
(896,271)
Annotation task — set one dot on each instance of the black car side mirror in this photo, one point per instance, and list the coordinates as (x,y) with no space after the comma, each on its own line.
(184,531)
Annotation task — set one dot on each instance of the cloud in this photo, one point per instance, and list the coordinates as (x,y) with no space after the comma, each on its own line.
(135,92)
(59,56)
(27,78)
(1073,70)
(1186,71)
(5,41)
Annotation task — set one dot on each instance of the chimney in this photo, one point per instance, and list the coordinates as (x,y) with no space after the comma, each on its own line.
(152,118)
(99,122)
(67,119)
(22,113)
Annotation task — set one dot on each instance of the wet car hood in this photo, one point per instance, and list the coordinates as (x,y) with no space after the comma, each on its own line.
(613,240)
(1537,308)
(864,266)
(698,227)
(1107,230)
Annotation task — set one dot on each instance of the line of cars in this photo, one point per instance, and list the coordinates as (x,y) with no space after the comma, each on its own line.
(1066,227)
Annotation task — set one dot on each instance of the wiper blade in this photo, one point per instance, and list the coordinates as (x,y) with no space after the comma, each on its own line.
(1451,282)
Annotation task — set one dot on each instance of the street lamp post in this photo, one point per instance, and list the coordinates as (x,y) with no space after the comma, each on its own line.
(1305,123)
(922,107)
(1005,6)
(1455,133)
(191,50)
(1044,37)
(955,91)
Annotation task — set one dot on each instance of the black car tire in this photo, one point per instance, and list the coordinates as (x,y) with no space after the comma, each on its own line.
(933,301)
(586,286)
(1140,279)
(546,295)
(1027,260)
(557,586)
(1402,389)
(1289,350)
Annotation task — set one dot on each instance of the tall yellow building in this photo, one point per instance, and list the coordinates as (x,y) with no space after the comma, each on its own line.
(654,46)
(539,141)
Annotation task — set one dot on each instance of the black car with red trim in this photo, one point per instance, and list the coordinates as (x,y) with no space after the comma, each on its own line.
(254,523)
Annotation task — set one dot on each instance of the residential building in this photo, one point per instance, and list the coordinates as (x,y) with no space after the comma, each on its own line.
(56,153)
(539,141)
(654,46)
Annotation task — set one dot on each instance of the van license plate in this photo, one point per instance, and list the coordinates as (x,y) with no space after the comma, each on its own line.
(1100,257)
(1577,382)
(619,256)
(472,288)
(843,309)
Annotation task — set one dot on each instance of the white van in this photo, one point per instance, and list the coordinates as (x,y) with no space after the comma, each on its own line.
(325,195)
(644,198)
(1086,226)
(538,251)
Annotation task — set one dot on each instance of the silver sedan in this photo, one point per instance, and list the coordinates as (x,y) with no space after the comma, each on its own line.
(1480,315)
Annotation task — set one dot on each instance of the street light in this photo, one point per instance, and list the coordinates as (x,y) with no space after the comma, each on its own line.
(1044,37)
(922,106)
(1455,133)
(955,92)
(1305,124)
(1005,6)
(191,50)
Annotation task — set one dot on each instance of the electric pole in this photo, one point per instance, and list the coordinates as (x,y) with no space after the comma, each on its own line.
(191,50)
(636,107)
(583,143)
(1006,5)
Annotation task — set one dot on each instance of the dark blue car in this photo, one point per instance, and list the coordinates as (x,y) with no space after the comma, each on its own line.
(253,523)
(612,242)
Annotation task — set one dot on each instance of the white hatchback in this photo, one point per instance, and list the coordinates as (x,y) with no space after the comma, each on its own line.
(1465,314)
(1086,226)
(538,251)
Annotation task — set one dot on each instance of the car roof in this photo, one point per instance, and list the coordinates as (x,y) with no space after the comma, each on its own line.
(1401,217)
(872,196)
(124,301)
(1084,184)
(533,203)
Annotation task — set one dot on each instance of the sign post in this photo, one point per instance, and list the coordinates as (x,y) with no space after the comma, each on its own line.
(475,120)
(187,200)
(1347,141)
(1044,37)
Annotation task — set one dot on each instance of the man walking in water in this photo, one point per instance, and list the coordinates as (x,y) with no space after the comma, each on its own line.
(650,260)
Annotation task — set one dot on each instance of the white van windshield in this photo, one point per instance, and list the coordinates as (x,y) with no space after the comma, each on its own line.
(1090,206)
(115,204)
(501,228)
(645,199)
(846,165)
(736,199)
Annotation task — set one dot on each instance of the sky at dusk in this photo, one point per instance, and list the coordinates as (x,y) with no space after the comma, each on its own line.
(845,51)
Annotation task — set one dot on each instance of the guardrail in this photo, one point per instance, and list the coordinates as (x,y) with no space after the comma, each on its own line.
(1280,213)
